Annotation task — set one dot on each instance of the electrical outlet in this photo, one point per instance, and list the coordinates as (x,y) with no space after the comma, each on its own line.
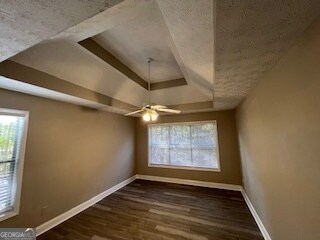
(43,211)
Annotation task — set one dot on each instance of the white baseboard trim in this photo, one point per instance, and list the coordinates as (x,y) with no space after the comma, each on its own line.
(72,212)
(232,187)
(256,217)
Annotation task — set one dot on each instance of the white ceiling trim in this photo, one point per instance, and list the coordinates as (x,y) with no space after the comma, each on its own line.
(18,86)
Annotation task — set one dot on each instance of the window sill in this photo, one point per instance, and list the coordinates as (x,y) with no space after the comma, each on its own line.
(185,168)
(7,215)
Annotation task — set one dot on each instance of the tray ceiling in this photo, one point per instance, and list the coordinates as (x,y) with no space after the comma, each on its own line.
(208,54)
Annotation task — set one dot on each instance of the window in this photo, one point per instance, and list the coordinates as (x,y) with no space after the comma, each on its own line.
(13,130)
(184,145)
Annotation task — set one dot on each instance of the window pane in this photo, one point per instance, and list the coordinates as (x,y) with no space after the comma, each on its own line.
(204,157)
(180,156)
(179,135)
(11,130)
(159,135)
(6,182)
(191,145)
(203,134)
(8,130)
(159,155)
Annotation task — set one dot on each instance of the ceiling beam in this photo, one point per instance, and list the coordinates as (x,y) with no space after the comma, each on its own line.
(96,49)
(25,74)
(168,84)
(93,47)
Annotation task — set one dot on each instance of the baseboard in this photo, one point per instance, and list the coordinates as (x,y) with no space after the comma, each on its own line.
(72,212)
(232,187)
(256,217)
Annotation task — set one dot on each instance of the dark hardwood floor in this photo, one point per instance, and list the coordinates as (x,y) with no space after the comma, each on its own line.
(162,211)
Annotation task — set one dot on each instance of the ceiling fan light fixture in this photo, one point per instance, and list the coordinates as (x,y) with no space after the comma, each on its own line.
(150,115)
(146,117)
(154,115)
(150,112)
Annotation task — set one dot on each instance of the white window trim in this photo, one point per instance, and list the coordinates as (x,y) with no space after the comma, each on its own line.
(20,162)
(218,169)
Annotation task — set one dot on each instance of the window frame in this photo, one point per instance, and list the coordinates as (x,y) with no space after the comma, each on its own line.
(218,169)
(20,162)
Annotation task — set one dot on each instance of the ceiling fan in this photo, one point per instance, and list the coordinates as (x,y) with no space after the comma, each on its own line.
(150,112)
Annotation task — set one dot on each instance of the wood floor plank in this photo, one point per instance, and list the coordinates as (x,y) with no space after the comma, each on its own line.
(179,195)
(181,233)
(162,211)
(95,237)
(203,221)
(101,207)
(156,203)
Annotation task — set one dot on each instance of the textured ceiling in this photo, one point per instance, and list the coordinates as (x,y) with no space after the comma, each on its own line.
(251,37)
(134,41)
(222,48)
(190,25)
(117,15)
(28,22)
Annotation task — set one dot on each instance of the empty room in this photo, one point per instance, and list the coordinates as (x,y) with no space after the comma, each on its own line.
(160,119)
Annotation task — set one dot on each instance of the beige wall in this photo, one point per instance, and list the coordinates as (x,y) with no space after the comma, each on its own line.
(279,135)
(72,154)
(228,149)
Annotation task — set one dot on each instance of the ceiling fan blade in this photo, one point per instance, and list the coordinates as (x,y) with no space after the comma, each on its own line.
(158,106)
(128,114)
(168,110)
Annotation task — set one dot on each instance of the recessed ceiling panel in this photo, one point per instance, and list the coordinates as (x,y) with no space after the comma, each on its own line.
(70,62)
(134,41)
